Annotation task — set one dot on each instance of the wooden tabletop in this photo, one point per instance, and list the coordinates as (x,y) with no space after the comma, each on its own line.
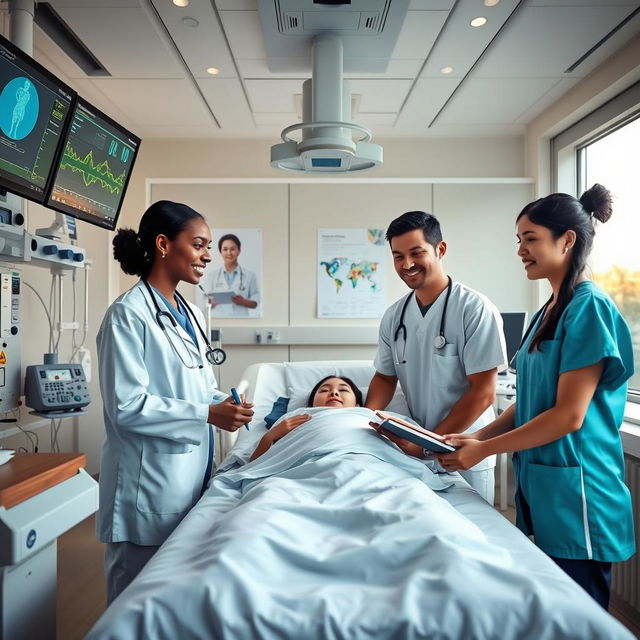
(28,474)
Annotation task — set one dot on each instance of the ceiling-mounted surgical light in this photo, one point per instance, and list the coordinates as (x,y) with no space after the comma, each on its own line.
(326,143)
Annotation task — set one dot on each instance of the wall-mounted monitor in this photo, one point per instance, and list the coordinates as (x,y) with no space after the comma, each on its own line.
(34,109)
(94,167)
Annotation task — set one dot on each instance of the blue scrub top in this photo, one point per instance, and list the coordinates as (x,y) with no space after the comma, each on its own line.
(570,494)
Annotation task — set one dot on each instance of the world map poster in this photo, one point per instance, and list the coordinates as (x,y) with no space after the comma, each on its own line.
(351,274)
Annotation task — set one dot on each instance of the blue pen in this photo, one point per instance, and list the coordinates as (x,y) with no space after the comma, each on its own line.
(236,399)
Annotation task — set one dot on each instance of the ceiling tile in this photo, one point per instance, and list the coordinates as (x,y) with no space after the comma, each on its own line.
(272,96)
(228,103)
(380,96)
(546,100)
(157,102)
(124,41)
(426,99)
(431,5)
(545,41)
(476,101)
(419,31)
(244,34)
(236,5)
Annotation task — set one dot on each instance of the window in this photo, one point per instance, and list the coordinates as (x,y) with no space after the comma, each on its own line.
(613,161)
(604,147)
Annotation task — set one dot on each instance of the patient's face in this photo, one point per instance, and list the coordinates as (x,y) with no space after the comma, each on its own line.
(334,392)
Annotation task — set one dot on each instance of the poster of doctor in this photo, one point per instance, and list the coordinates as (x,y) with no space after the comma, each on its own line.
(232,284)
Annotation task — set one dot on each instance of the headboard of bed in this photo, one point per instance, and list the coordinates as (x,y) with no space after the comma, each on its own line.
(265,382)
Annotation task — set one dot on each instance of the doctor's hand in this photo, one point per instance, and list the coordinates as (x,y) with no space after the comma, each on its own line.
(241,300)
(410,448)
(230,416)
(470,452)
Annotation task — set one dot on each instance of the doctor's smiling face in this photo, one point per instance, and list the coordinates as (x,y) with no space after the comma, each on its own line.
(416,261)
(187,255)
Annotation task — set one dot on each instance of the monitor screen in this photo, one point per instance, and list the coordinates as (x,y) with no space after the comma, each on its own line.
(513,325)
(92,173)
(34,109)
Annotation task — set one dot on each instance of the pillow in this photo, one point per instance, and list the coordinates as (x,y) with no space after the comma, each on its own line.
(301,377)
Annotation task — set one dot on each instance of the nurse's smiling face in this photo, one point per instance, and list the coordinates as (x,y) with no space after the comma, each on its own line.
(187,254)
(542,255)
(416,261)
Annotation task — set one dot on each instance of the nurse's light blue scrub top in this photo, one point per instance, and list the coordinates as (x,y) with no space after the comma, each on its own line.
(570,494)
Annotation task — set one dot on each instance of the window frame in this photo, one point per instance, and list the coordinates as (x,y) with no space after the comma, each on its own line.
(568,148)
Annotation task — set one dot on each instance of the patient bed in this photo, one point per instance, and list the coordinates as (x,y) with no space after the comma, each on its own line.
(337,534)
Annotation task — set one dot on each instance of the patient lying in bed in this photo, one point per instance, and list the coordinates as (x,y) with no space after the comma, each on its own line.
(330,392)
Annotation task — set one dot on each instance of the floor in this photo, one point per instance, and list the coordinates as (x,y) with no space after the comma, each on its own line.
(81,587)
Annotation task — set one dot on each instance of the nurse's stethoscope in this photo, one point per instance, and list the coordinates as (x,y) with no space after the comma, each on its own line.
(438,342)
(511,367)
(219,284)
(213,356)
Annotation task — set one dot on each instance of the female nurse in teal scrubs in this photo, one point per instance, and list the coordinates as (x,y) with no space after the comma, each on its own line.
(572,372)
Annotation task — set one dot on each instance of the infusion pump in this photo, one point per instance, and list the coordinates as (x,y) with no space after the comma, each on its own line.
(56,387)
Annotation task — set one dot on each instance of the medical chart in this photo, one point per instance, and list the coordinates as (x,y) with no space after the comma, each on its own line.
(351,273)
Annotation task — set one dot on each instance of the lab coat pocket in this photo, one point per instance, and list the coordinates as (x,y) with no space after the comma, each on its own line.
(555,497)
(167,482)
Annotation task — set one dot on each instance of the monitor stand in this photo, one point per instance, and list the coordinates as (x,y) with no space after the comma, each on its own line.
(57,231)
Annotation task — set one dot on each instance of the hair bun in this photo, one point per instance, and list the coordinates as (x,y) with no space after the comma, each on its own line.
(129,252)
(597,202)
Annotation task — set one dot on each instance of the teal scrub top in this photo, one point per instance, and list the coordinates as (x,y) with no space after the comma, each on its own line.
(570,494)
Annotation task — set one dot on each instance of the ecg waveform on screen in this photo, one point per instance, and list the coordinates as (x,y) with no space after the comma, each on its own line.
(91,172)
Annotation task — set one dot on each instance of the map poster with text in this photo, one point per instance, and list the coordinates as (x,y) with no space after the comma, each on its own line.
(351,273)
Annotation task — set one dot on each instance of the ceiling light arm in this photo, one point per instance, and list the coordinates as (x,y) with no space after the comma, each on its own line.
(365,131)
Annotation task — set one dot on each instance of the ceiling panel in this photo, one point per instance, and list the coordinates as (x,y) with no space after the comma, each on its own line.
(546,100)
(157,102)
(244,34)
(124,41)
(418,33)
(424,102)
(380,96)
(196,32)
(580,3)
(228,103)
(107,4)
(544,41)
(476,103)
(236,5)
(272,96)
(431,5)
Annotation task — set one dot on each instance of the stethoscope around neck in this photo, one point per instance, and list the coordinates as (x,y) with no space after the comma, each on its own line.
(213,356)
(438,342)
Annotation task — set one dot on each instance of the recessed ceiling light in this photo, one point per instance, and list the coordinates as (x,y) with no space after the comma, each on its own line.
(181,3)
(213,71)
(446,70)
(188,21)
(491,3)
(478,22)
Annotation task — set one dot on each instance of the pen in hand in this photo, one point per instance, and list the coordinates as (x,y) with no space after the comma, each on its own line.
(236,398)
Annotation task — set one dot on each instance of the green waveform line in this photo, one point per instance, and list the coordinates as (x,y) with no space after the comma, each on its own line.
(91,172)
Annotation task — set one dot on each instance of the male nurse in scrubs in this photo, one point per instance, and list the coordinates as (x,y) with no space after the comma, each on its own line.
(443,342)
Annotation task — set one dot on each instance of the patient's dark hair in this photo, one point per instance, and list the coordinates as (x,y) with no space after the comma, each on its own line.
(356,392)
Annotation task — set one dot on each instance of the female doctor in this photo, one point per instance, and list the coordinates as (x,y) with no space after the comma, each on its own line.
(573,367)
(158,391)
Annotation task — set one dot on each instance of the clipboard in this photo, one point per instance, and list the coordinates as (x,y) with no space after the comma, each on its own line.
(422,437)
(222,297)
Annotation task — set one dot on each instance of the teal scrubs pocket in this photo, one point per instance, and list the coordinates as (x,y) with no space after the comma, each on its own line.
(555,496)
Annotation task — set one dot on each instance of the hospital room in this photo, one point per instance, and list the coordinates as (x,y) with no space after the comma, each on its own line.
(320,319)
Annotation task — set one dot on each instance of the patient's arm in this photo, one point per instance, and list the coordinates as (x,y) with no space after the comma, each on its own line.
(278,431)
(381,390)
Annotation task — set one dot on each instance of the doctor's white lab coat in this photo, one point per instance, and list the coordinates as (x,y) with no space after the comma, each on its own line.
(156,446)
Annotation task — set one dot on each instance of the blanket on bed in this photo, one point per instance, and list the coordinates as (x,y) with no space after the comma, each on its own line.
(334,533)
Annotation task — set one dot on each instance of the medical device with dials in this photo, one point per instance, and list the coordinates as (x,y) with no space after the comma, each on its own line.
(56,387)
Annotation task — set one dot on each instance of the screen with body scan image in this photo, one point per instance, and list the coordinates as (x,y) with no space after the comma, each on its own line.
(34,109)
(94,167)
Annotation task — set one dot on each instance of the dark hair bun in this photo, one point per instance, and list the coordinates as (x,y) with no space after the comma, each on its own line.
(597,201)
(129,252)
